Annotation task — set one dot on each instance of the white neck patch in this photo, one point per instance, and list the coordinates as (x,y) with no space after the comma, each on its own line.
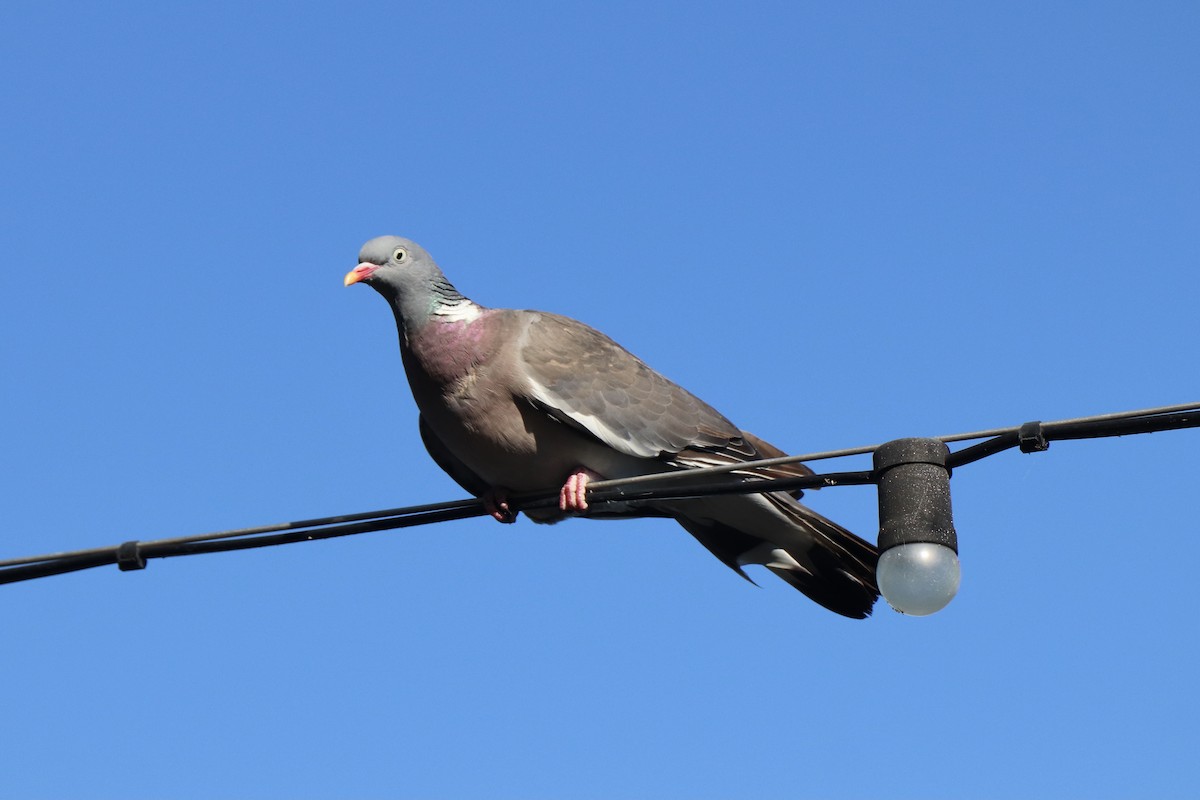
(461,311)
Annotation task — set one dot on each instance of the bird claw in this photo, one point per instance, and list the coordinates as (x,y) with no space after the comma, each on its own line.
(572,498)
(495,503)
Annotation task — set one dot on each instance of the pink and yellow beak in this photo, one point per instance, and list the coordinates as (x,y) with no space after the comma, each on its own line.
(359,273)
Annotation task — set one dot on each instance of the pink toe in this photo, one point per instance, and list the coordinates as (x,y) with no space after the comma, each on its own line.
(573,495)
(495,503)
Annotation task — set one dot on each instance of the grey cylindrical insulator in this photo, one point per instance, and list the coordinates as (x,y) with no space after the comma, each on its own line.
(914,493)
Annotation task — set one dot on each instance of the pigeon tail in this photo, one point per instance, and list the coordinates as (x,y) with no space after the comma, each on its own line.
(837,571)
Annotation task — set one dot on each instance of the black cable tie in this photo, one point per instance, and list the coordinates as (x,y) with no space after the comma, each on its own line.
(129,557)
(1032,438)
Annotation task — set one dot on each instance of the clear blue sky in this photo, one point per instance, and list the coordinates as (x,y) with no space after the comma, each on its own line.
(838,223)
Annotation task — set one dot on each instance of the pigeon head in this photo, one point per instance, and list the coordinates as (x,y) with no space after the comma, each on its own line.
(409,278)
(392,264)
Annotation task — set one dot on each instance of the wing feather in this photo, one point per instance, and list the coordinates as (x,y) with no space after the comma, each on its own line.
(583,378)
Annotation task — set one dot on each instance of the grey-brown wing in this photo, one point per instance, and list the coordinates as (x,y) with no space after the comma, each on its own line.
(585,379)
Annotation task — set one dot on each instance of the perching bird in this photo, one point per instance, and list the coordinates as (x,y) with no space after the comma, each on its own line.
(525,400)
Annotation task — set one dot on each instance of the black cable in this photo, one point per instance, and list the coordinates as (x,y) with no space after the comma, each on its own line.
(1152,421)
(683,484)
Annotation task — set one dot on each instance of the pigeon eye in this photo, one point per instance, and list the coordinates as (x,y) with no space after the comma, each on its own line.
(399,254)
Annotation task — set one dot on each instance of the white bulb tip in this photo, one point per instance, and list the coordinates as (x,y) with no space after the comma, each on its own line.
(918,578)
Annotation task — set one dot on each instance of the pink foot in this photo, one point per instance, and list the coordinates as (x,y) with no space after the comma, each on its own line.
(572,498)
(495,502)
